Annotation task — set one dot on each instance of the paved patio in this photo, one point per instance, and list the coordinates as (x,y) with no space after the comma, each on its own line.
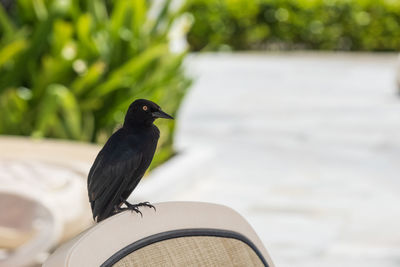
(305,146)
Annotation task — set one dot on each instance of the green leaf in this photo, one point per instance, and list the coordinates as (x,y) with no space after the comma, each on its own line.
(126,75)
(59,105)
(89,79)
(7,27)
(11,50)
(83,28)
(13,108)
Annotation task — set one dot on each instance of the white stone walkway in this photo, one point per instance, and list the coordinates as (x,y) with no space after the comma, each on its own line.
(305,146)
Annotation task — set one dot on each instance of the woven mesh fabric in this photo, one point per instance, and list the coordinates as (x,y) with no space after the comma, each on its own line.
(193,251)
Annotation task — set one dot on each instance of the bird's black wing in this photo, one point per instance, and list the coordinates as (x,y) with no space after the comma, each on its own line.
(109,177)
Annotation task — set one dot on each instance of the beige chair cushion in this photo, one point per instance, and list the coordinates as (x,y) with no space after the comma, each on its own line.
(193,251)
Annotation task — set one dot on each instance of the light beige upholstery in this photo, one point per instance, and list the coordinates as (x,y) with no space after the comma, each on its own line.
(104,240)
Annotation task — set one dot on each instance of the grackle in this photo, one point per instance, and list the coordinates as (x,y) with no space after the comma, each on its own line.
(123,160)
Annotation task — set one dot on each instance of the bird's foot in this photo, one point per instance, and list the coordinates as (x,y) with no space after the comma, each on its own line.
(135,207)
(130,207)
(146,204)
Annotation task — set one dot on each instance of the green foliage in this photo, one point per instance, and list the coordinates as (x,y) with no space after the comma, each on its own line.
(290,24)
(69,69)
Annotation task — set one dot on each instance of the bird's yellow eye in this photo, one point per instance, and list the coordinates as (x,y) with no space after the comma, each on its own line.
(144,108)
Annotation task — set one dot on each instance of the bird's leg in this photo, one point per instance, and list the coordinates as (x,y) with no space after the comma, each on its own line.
(118,209)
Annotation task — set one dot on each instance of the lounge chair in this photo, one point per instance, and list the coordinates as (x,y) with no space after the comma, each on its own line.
(176,234)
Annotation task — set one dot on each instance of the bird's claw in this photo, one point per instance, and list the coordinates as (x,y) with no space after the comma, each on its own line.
(146,204)
(132,208)
(135,207)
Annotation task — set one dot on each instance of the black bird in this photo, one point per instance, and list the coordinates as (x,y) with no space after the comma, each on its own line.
(123,160)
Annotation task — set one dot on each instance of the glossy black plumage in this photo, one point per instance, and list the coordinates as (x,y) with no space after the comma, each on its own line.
(124,159)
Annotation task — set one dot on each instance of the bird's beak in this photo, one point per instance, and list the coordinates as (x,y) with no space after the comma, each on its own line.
(161,114)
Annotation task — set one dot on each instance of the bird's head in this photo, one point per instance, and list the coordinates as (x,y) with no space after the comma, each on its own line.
(144,112)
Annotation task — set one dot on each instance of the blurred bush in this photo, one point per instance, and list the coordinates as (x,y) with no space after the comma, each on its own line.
(367,25)
(69,69)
